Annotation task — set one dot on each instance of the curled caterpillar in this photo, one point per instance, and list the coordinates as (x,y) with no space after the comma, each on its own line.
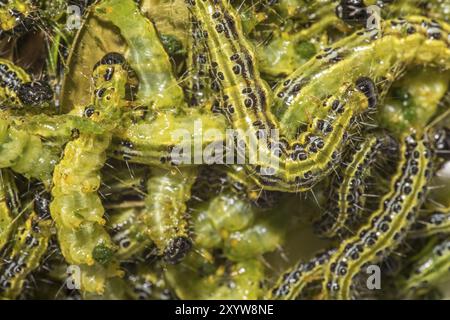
(158,87)
(304,161)
(17,89)
(128,233)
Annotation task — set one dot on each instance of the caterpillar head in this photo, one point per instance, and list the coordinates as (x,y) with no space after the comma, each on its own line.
(110,77)
(177,250)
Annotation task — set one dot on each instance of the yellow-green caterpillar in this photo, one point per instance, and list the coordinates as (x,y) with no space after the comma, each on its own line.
(76,206)
(348,189)
(165,214)
(9,206)
(388,225)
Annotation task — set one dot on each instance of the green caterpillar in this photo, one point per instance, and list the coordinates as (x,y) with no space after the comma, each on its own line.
(410,42)
(128,233)
(282,166)
(9,206)
(431,269)
(76,206)
(165,212)
(158,88)
(26,153)
(348,188)
(388,225)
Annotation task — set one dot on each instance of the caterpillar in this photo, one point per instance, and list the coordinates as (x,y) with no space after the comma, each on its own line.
(409,39)
(294,167)
(148,283)
(158,87)
(348,188)
(127,233)
(435,223)
(292,283)
(165,212)
(169,132)
(9,206)
(30,242)
(430,270)
(262,237)
(387,225)
(26,153)
(200,277)
(17,88)
(76,206)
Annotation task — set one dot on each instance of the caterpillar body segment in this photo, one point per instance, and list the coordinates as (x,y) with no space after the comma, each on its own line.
(158,88)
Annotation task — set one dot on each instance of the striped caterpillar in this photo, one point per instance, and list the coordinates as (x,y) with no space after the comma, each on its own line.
(407,40)
(348,188)
(165,212)
(293,283)
(387,225)
(17,88)
(299,165)
(30,242)
(76,206)
(9,206)
(431,269)
(435,223)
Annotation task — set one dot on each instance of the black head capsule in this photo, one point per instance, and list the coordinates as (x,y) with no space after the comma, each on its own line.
(352,12)
(369,89)
(35,93)
(111,58)
(177,250)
